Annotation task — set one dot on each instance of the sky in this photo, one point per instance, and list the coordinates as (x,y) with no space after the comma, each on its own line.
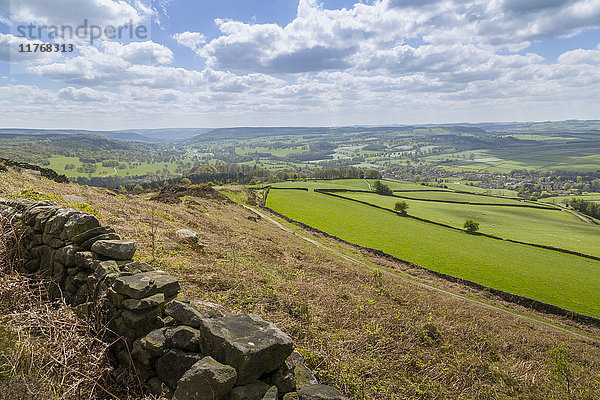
(219,63)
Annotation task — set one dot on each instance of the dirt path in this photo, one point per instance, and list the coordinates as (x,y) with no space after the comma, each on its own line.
(369,183)
(114,173)
(515,314)
(581,217)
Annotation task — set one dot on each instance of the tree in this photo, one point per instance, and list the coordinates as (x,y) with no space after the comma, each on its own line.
(401,206)
(471,226)
(382,188)
(186,181)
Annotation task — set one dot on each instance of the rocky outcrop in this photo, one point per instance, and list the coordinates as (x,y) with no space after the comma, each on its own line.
(182,349)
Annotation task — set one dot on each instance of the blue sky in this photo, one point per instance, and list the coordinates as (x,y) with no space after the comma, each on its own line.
(211,63)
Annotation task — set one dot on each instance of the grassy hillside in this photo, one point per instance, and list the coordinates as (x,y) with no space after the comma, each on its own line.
(374,333)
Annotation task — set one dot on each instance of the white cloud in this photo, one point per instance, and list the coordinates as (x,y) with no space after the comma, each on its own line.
(581,56)
(192,40)
(74,12)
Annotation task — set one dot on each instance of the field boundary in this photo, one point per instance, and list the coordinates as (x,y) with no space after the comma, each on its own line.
(527,302)
(541,246)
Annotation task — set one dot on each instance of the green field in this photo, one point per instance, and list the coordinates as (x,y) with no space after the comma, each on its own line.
(461,197)
(547,227)
(565,280)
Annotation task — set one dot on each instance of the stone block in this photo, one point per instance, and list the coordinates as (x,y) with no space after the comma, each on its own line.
(77,224)
(183,337)
(135,286)
(246,342)
(207,379)
(115,249)
(171,366)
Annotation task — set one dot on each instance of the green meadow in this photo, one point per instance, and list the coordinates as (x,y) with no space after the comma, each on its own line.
(565,280)
(547,227)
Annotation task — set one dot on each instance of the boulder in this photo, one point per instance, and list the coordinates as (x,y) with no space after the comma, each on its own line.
(320,392)
(206,380)
(174,364)
(135,286)
(183,337)
(188,236)
(291,396)
(116,249)
(246,342)
(77,224)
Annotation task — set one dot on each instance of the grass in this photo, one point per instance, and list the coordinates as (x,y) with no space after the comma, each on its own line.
(564,280)
(547,227)
(374,336)
(458,197)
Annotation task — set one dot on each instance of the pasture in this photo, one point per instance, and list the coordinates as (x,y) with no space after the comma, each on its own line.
(565,280)
(546,227)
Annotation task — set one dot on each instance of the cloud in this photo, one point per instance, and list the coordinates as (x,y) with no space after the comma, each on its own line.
(74,12)
(82,95)
(192,40)
(581,56)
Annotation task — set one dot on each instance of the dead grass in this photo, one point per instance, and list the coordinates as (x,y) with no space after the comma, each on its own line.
(373,336)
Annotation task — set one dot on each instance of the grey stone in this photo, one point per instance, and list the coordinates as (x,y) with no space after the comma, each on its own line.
(184,313)
(135,286)
(87,245)
(52,241)
(304,376)
(117,249)
(291,396)
(81,278)
(83,260)
(155,341)
(59,272)
(71,198)
(189,236)
(209,310)
(271,394)
(183,337)
(165,283)
(206,380)
(87,235)
(66,255)
(137,319)
(246,342)
(104,268)
(77,224)
(136,267)
(55,224)
(171,366)
(253,391)
(145,303)
(283,378)
(320,392)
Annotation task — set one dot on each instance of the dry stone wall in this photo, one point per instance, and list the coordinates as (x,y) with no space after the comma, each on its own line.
(183,349)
